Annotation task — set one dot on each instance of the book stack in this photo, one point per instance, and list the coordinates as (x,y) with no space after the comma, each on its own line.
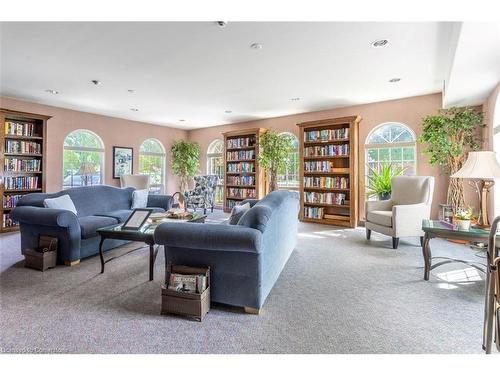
(240,193)
(25,129)
(22,147)
(318,166)
(328,150)
(327,135)
(327,198)
(240,180)
(8,222)
(9,201)
(241,155)
(327,182)
(314,212)
(240,142)
(21,183)
(22,165)
(240,167)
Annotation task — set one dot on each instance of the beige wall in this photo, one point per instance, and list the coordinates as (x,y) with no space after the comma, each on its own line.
(491,108)
(409,111)
(113,132)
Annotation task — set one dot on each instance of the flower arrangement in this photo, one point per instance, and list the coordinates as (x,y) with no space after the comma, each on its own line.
(464,214)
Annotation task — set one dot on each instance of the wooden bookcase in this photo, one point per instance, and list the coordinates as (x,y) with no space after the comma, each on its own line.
(242,176)
(22,157)
(329,171)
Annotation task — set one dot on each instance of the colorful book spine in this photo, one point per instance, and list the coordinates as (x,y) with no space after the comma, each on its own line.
(326,135)
(325,198)
(314,212)
(327,150)
(327,182)
(241,193)
(21,183)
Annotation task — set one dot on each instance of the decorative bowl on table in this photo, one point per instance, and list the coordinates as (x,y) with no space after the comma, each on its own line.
(178,214)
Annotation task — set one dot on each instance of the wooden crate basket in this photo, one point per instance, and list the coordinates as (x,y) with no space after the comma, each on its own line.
(44,257)
(189,304)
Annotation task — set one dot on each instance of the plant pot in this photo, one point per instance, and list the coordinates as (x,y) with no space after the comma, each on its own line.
(463,225)
(384,196)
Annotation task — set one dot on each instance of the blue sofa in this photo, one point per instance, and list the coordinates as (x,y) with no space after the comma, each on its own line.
(97,206)
(245,259)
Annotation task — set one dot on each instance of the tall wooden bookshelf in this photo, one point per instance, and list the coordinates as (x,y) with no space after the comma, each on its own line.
(22,160)
(242,176)
(329,171)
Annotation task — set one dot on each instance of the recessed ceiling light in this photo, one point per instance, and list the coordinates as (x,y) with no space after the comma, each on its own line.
(228,111)
(52,91)
(96,82)
(182,120)
(380,43)
(131,91)
(221,24)
(295,99)
(134,109)
(256,46)
(392,80)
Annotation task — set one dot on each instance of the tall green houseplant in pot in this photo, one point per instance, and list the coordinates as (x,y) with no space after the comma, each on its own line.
(379,181)
(448,137)
(273,155)
(185,162)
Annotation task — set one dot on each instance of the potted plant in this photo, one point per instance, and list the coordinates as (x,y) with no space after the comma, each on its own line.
(463,218)
(185,162)
(273,155)
(379,181)
(449,136)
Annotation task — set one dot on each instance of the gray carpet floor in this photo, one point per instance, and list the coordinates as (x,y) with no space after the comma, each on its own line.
(338,293)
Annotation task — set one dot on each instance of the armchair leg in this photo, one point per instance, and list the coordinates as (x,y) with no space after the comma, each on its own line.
(421,241)
(368,233)
(204,211)
(395,242)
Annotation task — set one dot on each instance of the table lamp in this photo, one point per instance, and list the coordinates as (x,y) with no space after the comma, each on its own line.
(483,167)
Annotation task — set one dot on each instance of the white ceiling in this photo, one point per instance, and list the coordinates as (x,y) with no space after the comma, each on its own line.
(196,70)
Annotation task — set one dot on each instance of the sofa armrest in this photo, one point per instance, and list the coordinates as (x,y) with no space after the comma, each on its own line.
(45,216)
(378,206)
(159,200)
(252,202)
(407,218)
(209,237)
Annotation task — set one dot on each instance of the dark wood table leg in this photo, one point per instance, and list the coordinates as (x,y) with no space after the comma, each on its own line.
(426,250)
(101,255)
(151,262)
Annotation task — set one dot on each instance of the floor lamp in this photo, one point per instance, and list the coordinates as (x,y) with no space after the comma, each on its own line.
(482,167)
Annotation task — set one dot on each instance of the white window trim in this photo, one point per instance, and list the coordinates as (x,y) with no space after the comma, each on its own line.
(163,156)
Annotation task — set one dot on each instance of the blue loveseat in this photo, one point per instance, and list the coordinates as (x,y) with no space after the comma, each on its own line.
(97,206)
(245,259)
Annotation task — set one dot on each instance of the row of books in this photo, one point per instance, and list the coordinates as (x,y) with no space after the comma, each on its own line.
(240,142)
(314,212)
(240,180)
(8,222)
(22,165)
(241,193)
(231,203)
(319,166)
(9,201)
(240,155)
(328,198)
(241,167)
(22,147)
(327,182)
(19,128)
(328,150)
(327,135)
(21,183)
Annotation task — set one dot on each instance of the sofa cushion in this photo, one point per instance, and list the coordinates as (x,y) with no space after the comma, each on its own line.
(237,212)
(120,215)
(140,198)
(256,217)
(63,202)
(380,217)
(90,224)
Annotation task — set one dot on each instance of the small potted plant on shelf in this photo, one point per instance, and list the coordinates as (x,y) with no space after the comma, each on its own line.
(463,218)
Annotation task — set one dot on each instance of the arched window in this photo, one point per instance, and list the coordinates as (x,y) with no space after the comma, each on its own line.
(83,159)
(215,165)
(391,143)
(289,180)
(152,163)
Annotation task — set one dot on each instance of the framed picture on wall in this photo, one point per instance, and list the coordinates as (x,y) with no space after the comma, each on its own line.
(123,161)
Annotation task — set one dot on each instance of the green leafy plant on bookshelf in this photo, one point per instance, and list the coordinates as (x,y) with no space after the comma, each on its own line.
(185,163)
(379,181)
(448,137)
(274,155)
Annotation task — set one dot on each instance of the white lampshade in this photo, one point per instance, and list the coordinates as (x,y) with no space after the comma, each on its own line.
(480,165)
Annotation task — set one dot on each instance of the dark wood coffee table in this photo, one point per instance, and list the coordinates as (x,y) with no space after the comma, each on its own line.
(145,235)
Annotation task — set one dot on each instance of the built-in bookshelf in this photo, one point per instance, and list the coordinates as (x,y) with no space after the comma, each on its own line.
(329,171)
(22,162)
(243,177)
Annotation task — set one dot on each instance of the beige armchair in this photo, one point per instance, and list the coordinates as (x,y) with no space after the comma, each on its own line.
(402,215)
(138,181)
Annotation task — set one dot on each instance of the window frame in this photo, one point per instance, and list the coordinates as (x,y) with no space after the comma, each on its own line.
(287,185)
(101,150)
(161,155)
(211,154)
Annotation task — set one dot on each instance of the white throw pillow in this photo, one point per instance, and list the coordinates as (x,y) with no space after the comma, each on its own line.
(63,202)
(140,198)
(237,212)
